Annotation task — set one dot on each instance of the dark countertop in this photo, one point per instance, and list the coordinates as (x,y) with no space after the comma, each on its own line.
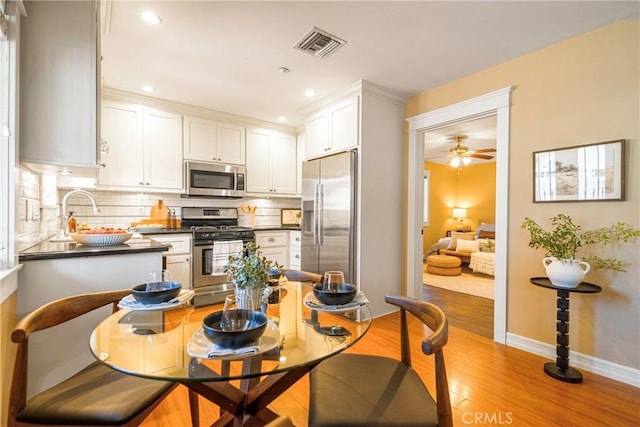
(275,228)
(258,228)
(54,250)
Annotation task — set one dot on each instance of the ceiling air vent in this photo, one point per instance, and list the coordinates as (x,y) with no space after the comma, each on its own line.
(318,43)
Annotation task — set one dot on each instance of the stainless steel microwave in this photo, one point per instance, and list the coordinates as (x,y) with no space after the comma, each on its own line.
(214,180)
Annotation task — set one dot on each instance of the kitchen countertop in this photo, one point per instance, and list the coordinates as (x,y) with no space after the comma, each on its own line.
(54,250)
(257,228)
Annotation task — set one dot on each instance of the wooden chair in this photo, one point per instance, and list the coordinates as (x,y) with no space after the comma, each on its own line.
(368,390)
(96,395)
(303,276)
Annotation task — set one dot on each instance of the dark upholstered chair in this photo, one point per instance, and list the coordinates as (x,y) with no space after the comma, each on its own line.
(97,395)
(367,390)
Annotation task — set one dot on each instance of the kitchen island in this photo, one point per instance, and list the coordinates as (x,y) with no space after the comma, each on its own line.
(55,270)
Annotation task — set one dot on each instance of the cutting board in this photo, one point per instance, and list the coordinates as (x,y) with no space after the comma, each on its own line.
(159,211)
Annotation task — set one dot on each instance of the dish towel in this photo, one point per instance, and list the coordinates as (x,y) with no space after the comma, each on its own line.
(221,252)
(219,351)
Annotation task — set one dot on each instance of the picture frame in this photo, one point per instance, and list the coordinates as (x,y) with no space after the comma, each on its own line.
(290,217)
(582,173)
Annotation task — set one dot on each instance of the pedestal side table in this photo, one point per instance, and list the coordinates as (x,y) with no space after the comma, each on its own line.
(561,370)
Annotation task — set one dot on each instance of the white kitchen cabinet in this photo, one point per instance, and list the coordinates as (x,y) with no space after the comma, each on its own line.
(59,96)
(295,241)
(333,129)
(144,148)
(213,141)
(271,163)
(178,257)
(299,159)
(274,245)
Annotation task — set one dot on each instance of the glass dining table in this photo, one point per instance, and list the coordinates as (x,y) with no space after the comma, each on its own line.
(169,345)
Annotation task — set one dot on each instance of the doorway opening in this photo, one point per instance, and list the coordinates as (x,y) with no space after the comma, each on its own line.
(495,103)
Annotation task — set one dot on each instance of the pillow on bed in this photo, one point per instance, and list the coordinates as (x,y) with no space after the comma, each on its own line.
(485,234)
(455,235)
(485,228)
(468,246)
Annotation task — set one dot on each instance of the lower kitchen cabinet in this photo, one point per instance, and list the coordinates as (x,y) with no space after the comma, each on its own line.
(281,246)
(271,162)
(177,259)
(295,241)
(274,245)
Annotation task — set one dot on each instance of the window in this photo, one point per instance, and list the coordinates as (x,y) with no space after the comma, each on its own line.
(7,139)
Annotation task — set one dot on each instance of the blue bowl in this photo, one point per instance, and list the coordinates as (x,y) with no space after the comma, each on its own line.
(344,294)
(156,293)
(234,338)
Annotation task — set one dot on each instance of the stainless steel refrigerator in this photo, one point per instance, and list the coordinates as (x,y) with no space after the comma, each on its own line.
(329,214)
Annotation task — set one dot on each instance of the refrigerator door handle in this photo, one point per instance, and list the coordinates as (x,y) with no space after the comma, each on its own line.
(315,215)
(321,216)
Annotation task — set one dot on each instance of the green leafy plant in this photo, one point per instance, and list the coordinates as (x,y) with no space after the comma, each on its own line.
(249,269)
(489,244)
(564,240)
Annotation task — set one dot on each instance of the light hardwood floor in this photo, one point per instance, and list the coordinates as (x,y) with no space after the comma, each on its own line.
(490,385)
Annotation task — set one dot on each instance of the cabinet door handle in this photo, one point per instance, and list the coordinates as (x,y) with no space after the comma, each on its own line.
(297,239)
(271,240)
(297,256)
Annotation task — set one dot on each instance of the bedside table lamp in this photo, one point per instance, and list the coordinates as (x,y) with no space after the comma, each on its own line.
(460,214)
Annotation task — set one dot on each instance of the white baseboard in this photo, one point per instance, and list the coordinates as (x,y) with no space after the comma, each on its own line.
(592,364)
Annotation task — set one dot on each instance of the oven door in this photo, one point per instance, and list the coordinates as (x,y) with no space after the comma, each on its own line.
(209,289)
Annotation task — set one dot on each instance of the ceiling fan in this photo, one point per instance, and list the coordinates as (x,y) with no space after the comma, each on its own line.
(462,155)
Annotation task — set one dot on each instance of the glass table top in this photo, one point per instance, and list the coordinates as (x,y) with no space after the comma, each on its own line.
(169,344)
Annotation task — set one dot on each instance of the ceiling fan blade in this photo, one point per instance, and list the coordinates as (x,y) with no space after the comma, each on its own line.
(481,156)
(485,150)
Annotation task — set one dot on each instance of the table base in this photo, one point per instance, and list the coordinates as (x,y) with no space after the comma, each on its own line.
(569,375)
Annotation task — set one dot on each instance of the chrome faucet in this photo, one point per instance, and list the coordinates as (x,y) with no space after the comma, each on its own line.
(65,225)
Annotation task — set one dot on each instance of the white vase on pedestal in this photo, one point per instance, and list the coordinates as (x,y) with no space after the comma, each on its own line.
(565,273)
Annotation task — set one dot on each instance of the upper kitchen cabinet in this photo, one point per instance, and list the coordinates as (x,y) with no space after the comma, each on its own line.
(333,129)
(271,163)
(143,148)
(213,141)
(59,97)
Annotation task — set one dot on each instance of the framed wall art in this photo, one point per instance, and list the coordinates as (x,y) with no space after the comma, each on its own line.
(581,173)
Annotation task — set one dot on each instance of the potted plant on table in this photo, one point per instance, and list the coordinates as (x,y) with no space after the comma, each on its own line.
(249,272)
(566,238)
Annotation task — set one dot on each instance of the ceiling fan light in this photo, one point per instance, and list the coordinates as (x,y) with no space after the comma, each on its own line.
(466,160)
(455,162)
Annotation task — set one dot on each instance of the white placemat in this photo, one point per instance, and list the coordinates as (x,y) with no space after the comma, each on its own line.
(359,301)
(199,345)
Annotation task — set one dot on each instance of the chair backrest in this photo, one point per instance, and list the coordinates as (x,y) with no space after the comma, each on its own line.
(302,276)
(435,319)
(47,316)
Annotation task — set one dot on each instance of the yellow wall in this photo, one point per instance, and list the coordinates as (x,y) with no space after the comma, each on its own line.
(583,90)
(473,189)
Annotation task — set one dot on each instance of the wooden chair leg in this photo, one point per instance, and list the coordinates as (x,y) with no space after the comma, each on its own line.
(194,408)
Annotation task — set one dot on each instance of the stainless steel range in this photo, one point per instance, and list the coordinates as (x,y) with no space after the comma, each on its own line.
(208,226)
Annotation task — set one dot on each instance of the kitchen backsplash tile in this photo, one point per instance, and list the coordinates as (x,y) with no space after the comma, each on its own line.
(121,209)
(38,208)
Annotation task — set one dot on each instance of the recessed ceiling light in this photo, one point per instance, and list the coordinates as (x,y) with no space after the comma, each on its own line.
(282,118)
(283,70)
(151,18)
(310,92)
(147,88)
